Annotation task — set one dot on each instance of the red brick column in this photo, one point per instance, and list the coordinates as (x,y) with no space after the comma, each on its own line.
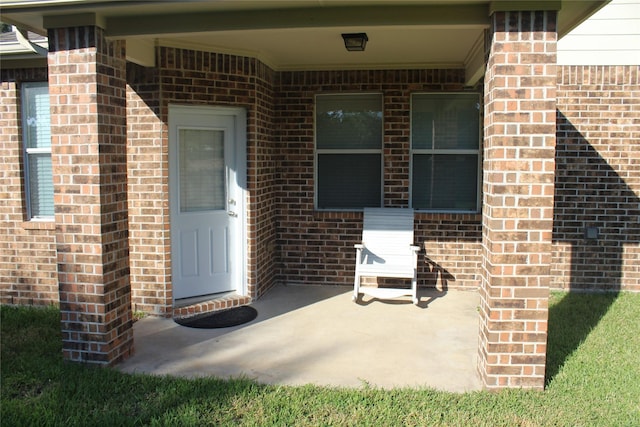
(87,84)
(518,184)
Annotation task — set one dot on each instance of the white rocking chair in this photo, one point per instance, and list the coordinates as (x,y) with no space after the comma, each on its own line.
(387,250)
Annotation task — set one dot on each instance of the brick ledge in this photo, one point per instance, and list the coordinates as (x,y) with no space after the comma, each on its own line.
(38,225)
(214,304)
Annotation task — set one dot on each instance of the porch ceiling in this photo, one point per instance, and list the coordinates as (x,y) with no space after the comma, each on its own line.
(298,34)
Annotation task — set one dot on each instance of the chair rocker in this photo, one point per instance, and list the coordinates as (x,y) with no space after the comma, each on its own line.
(387,250)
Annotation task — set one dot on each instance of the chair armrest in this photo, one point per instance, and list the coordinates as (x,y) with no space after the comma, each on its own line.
(415,248)
(358,246)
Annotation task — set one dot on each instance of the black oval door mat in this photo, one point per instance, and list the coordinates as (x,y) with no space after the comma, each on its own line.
(220,319)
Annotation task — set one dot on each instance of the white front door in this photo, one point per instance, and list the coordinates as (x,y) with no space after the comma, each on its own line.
(206,197)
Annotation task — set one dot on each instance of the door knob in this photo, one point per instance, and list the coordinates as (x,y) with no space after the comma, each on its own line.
(233,214)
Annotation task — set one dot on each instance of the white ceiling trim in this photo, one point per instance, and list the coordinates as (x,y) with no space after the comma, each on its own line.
(268,61)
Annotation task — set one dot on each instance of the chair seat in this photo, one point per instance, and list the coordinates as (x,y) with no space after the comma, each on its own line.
(385,270)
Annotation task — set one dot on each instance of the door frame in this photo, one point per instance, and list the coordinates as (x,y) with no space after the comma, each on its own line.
(239,115)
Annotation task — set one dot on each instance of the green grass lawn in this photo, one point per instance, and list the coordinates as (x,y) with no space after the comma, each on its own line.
(593,380)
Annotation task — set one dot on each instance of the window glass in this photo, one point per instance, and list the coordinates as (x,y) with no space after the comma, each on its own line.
(445,143)
(445,121)
(37,118)
(36,126)
(348,151)
(40,185)
(202,170)
(344,121)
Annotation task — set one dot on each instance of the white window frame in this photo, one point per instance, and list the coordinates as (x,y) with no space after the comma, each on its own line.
(29,152)
(318,152)
(435,151)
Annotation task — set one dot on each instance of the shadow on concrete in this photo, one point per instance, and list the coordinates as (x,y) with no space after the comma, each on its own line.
(426,296)
(430,273)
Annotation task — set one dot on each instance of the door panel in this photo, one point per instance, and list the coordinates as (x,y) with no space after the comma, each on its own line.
(203,178)
(219,243)
(188,251)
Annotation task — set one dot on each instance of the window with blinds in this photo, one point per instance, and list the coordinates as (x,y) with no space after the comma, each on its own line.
(36,127)
(445,152)
(202,172)
(348,151)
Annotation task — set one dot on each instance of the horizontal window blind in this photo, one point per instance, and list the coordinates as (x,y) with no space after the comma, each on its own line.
(202,170)
(349,180)
(445,181)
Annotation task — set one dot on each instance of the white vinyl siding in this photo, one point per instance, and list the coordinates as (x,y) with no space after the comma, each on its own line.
(348,151)
(36,127)
(445,152)
(611,36)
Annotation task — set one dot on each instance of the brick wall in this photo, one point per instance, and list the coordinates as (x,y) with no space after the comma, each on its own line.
(148,194)
(596,168)
(263,186)
(28,269)
(316,247)
(597,178)
(191,77)
(519,148)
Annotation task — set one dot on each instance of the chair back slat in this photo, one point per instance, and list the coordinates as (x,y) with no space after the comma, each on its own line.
(388,231)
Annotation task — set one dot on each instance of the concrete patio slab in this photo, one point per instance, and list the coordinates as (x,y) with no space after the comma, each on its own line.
(317,335)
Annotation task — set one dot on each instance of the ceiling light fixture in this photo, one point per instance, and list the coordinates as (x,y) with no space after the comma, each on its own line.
(355,42)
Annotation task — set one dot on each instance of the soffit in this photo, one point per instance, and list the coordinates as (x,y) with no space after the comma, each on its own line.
(295,34)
